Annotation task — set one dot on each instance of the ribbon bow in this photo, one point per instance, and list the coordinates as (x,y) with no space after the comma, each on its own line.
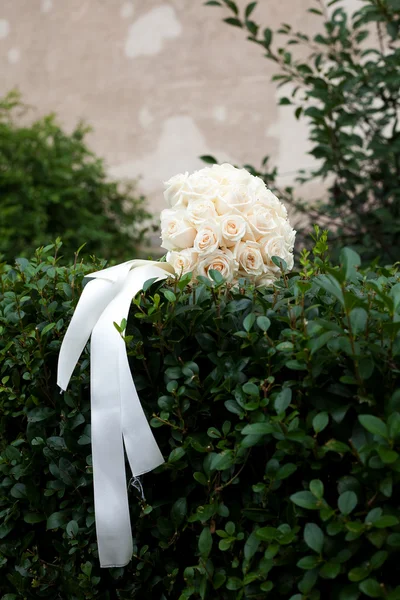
(118,419)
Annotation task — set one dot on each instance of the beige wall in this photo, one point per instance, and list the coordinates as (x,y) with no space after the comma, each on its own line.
(161,82)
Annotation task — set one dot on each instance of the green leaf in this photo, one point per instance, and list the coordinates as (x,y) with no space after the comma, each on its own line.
(205,542)
(305,500)
(249,9)
(258,429)
(320,421)
(267,37)
(371,588)
(234,583)
(386,521)
(347,502)
(283,400)
(317,488)
(206,157)
(308,562)
(32,518)
(330,570)
(331,286)
(314,537)
(56,520)
(251,546)
(234,22)
(374,425)
(358,320)
(350,262)
(222,461)
(264,323)
(72,529)
(176,455)
(179,511)
(248,322)
(170,296)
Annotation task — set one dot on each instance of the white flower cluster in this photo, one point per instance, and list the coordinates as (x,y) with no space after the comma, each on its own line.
(225,219)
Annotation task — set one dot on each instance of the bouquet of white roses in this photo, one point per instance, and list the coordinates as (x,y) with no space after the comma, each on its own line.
(219,218)
(225,219)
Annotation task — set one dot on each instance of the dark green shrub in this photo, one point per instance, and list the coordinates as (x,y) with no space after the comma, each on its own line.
(345,81)
(278,413)
(52,185)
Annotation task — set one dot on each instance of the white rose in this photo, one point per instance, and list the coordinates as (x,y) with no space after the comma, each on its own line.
(235,199)
(275,245)
(219,260)
(268,199)
(265,281)
(176,231)
(177,190)
(201,184)
(227,174)
(201,210)
(233,228)
(262,220)
(250,258)
(208,238)
(288,233)
(183,261)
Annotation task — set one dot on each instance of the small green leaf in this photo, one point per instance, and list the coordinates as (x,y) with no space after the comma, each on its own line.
(264,323)
(249,322)
(249,9)
(283,400)
(358,320)
(179,511)
(371,588)
(386,521)
(170,296)
(320,421)
(374,425)
(347,502)
(317,488)
(314,537)
(176,455)
(205,542)
(305,500)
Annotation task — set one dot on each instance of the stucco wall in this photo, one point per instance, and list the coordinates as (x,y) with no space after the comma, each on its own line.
(161,82)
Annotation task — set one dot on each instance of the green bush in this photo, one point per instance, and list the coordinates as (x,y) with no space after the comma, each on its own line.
(52,185)
(278,413)
(344,81)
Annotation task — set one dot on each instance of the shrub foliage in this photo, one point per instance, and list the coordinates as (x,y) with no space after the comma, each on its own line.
(277,411)
(344,81)
(52,184)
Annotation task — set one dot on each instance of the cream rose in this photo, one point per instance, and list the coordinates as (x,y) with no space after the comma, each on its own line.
(250,258)
(219,260)
(183,261)
(227,174)
(201,210)
(235,199)
(265,281)
(262,220)
(177,190)
(233,228)
(208,238)
(275,245)
(269,200)
(176,231)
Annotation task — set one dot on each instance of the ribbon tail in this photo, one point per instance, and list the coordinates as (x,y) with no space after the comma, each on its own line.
(117,414)
(94,298)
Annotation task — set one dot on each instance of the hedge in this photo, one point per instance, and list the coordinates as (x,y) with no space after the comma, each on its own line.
(277,411)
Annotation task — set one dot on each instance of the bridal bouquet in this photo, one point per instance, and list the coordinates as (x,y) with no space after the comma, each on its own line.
(226,219)
(218,218)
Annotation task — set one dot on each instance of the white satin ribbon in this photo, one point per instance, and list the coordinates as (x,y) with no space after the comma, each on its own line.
(116,413)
